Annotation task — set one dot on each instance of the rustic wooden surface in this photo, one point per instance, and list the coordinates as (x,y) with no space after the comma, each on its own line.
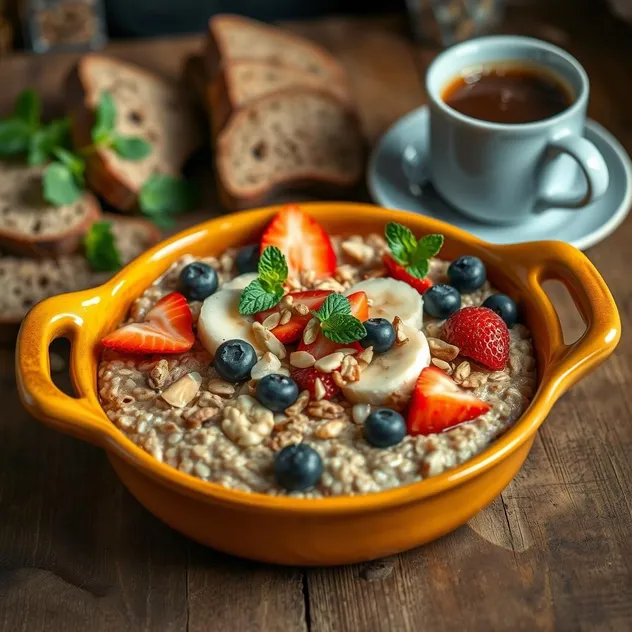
(554,552)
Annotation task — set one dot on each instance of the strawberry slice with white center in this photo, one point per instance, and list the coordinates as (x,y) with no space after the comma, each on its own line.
(168,328)
(302,240)
(293,329)
(438,403)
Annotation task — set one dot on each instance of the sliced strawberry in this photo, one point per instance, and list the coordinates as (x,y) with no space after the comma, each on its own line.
(322,346)
(168,328)
(438,403)
(398,271)
(306,380)
(302,240)
(292,330)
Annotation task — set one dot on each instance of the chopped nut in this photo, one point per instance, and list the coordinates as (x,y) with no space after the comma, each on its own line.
(324,409)
(220,387)
(350,370)
(360,412)
(442,364)
(348,351)
(330,429)
(180,393)
(267,365)
(271,321)
(302,359)
(200,416)
(210,399)
(286,317)
(434,330)
(474,380)
(358,251)
(442,350)
(375,274)
(319,389)
(246,422)
(330,362)
(307,277)
(331,285)
(159,374)
(251,387)
(365,358)
(338,380)
(299,405)
(345,274)
(400,336)
(300,308)
(268,340)
(311,331)
(462,371)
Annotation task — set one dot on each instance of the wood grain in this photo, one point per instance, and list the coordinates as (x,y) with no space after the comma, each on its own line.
(554,552)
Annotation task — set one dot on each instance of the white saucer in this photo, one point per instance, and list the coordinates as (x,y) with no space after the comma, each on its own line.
(390,187)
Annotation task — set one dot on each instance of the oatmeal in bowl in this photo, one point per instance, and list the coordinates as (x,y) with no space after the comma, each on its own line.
(318,365)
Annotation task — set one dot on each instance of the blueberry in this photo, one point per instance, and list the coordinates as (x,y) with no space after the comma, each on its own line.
(234,359)
(297,467)
(380,335)
(247,259)
(277,392)
(384,427)
(504,306)
(197,281)
(441,301)
(467,273)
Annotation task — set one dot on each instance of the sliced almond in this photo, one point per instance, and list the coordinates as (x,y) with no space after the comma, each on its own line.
(330,362)
(360,412)
(366,356)
(272,320)
(300,308)
(302,359)
(220,387)
(442,350)
(319,389)
(286,317)
(400,336)
(267,365)
(181,392)
(311,331)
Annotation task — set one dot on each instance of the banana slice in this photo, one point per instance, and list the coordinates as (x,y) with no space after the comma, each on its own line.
(395,371)
(220,321)
(240,282)
(392,298)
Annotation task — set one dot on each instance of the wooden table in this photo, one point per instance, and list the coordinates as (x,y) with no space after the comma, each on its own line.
(554,552)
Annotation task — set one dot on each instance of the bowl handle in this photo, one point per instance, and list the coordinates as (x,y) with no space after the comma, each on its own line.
(562,262)
(79,416)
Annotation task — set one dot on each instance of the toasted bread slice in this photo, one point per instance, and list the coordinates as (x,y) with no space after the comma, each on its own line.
(147,106)
(31,226)
(287,140)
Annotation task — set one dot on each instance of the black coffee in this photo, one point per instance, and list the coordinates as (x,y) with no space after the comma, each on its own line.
(508,94)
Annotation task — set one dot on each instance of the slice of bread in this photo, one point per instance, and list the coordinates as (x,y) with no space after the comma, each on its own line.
(25,282)
(31,226)
(233,37)
(147,106)
(286,140)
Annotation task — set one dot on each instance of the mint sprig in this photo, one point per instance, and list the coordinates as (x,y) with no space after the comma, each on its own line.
(336,321)
(100,248)
(267,290)
(409,252)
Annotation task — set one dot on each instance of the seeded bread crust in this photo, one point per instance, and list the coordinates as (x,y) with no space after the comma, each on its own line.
(31,226)
(288,140)
(147,106)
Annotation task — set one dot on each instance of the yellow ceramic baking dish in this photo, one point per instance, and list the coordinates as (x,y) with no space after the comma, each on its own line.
(335,530)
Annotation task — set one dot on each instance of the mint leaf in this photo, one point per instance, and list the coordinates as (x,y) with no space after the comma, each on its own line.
(14,137)
(100,248)
(60,185)
(131,148)
(401,242)
(334,304)
(419,270)
(343,328)
(27,108)
(256,298)
(75,163)
(47,138)
(164,195)
(105,120)
(427,247)
(272,267)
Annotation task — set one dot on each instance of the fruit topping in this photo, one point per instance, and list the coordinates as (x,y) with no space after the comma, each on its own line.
(297,467)
(504,306)
(197,281)
(234,360)
(277,392)
(408,258)
(267,289)
(467,273)
(480,334)
(320,385)
(380,334)
(438,403)
(168,328)
(441,301)
(247,259)
(302,240)
(291,330)
(384,427)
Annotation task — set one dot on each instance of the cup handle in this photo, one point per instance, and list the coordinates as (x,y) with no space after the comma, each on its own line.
(593,166)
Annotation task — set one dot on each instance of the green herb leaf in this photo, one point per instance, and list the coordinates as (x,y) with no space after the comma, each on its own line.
(256,298)
(27,108)
(401,242)
(100,248)
(131,148)
(164,195)
(47,138)
(272,267)
(343,328)
(428,246)
(334,304)
(419,270)
(14,137)
(75,163)
(105,120)
(60,185)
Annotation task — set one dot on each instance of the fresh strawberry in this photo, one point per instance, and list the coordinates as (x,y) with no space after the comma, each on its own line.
(438,403)
(398,271)
(306,380)
(323,346)
(168,328)
(480,334)
(302,240)
(292,330)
